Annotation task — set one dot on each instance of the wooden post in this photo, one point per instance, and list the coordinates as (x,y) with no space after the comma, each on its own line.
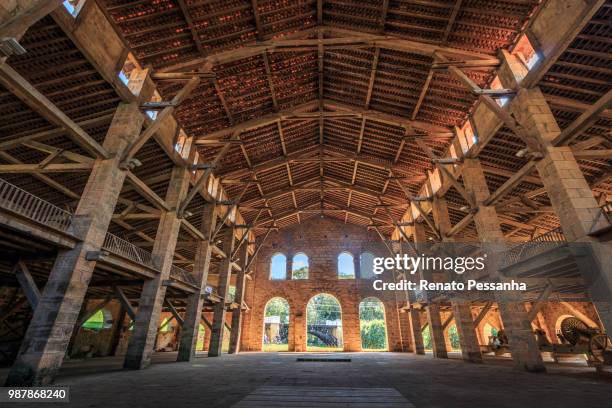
(470,349)
(523,347)
(201,266)
(42,349)
(225,273)
(237,313)
(153,292)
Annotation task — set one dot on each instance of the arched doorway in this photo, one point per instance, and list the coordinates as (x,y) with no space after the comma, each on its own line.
(276,325)
(324,324)
(372,325)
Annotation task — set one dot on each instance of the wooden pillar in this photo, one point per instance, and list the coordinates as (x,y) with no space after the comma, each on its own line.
(462,312)
(153,292)
(523,347)
(432,310)
(46,340)
(571,198)
(225,274)
(201,266)
(234,346)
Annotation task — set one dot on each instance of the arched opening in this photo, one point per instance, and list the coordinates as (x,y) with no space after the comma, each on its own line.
(372,324)
(346,266)
(453,337)
(201,337)
(102,319)
(427,341)
(324,324)
(276,325)
(489,332)
(278,267)
(366,265)
(299,266)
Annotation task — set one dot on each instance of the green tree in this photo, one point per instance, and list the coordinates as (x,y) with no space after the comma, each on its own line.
(278,307)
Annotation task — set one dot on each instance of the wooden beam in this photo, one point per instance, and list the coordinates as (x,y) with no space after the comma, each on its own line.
(458,227)
(45,179)
(146,192)
(190,25)
(372,78)
(512,182)
(337,38)
(257,18)
(451,21)
(98,307)
(22,89)
(174,312)
(535,307)
(44,168)
(584,121)
(24,277)
(125,302)
(264,55)
(161,117)
(483,313)
(593,154)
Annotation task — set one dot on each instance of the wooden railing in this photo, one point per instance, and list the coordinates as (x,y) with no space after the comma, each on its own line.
(36,209)
(182,275)
(125,249)
(541,243)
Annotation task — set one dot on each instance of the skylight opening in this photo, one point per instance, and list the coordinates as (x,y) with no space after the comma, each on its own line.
(525,51)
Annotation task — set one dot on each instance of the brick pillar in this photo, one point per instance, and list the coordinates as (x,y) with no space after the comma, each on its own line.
(570,196)
(240,286)
(523,347)
(225,274)
(299,327)
(46,340)
(462,312)
(142,341)
(201,266)
(351,334)
(432,310)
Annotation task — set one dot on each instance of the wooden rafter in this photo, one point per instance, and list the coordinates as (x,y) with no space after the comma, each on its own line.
(22,89)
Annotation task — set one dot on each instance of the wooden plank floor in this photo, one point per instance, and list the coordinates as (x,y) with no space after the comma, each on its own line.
(296,396)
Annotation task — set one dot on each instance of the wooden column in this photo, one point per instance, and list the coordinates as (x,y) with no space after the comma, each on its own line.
(432,309)
(153,292)
(523,347)
(46,340)
(462,312)
(201,266)
(225,274)
(240,287)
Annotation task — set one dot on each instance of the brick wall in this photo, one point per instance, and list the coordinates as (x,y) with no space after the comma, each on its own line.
(322,239)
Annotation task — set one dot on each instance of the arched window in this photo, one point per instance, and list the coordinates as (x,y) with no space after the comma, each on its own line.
(102,319)
(276,325)
(366,265)
(453,337)
(278,267)
(299,266)
(372,325)
(427,342)
(324,323)
(346,266)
